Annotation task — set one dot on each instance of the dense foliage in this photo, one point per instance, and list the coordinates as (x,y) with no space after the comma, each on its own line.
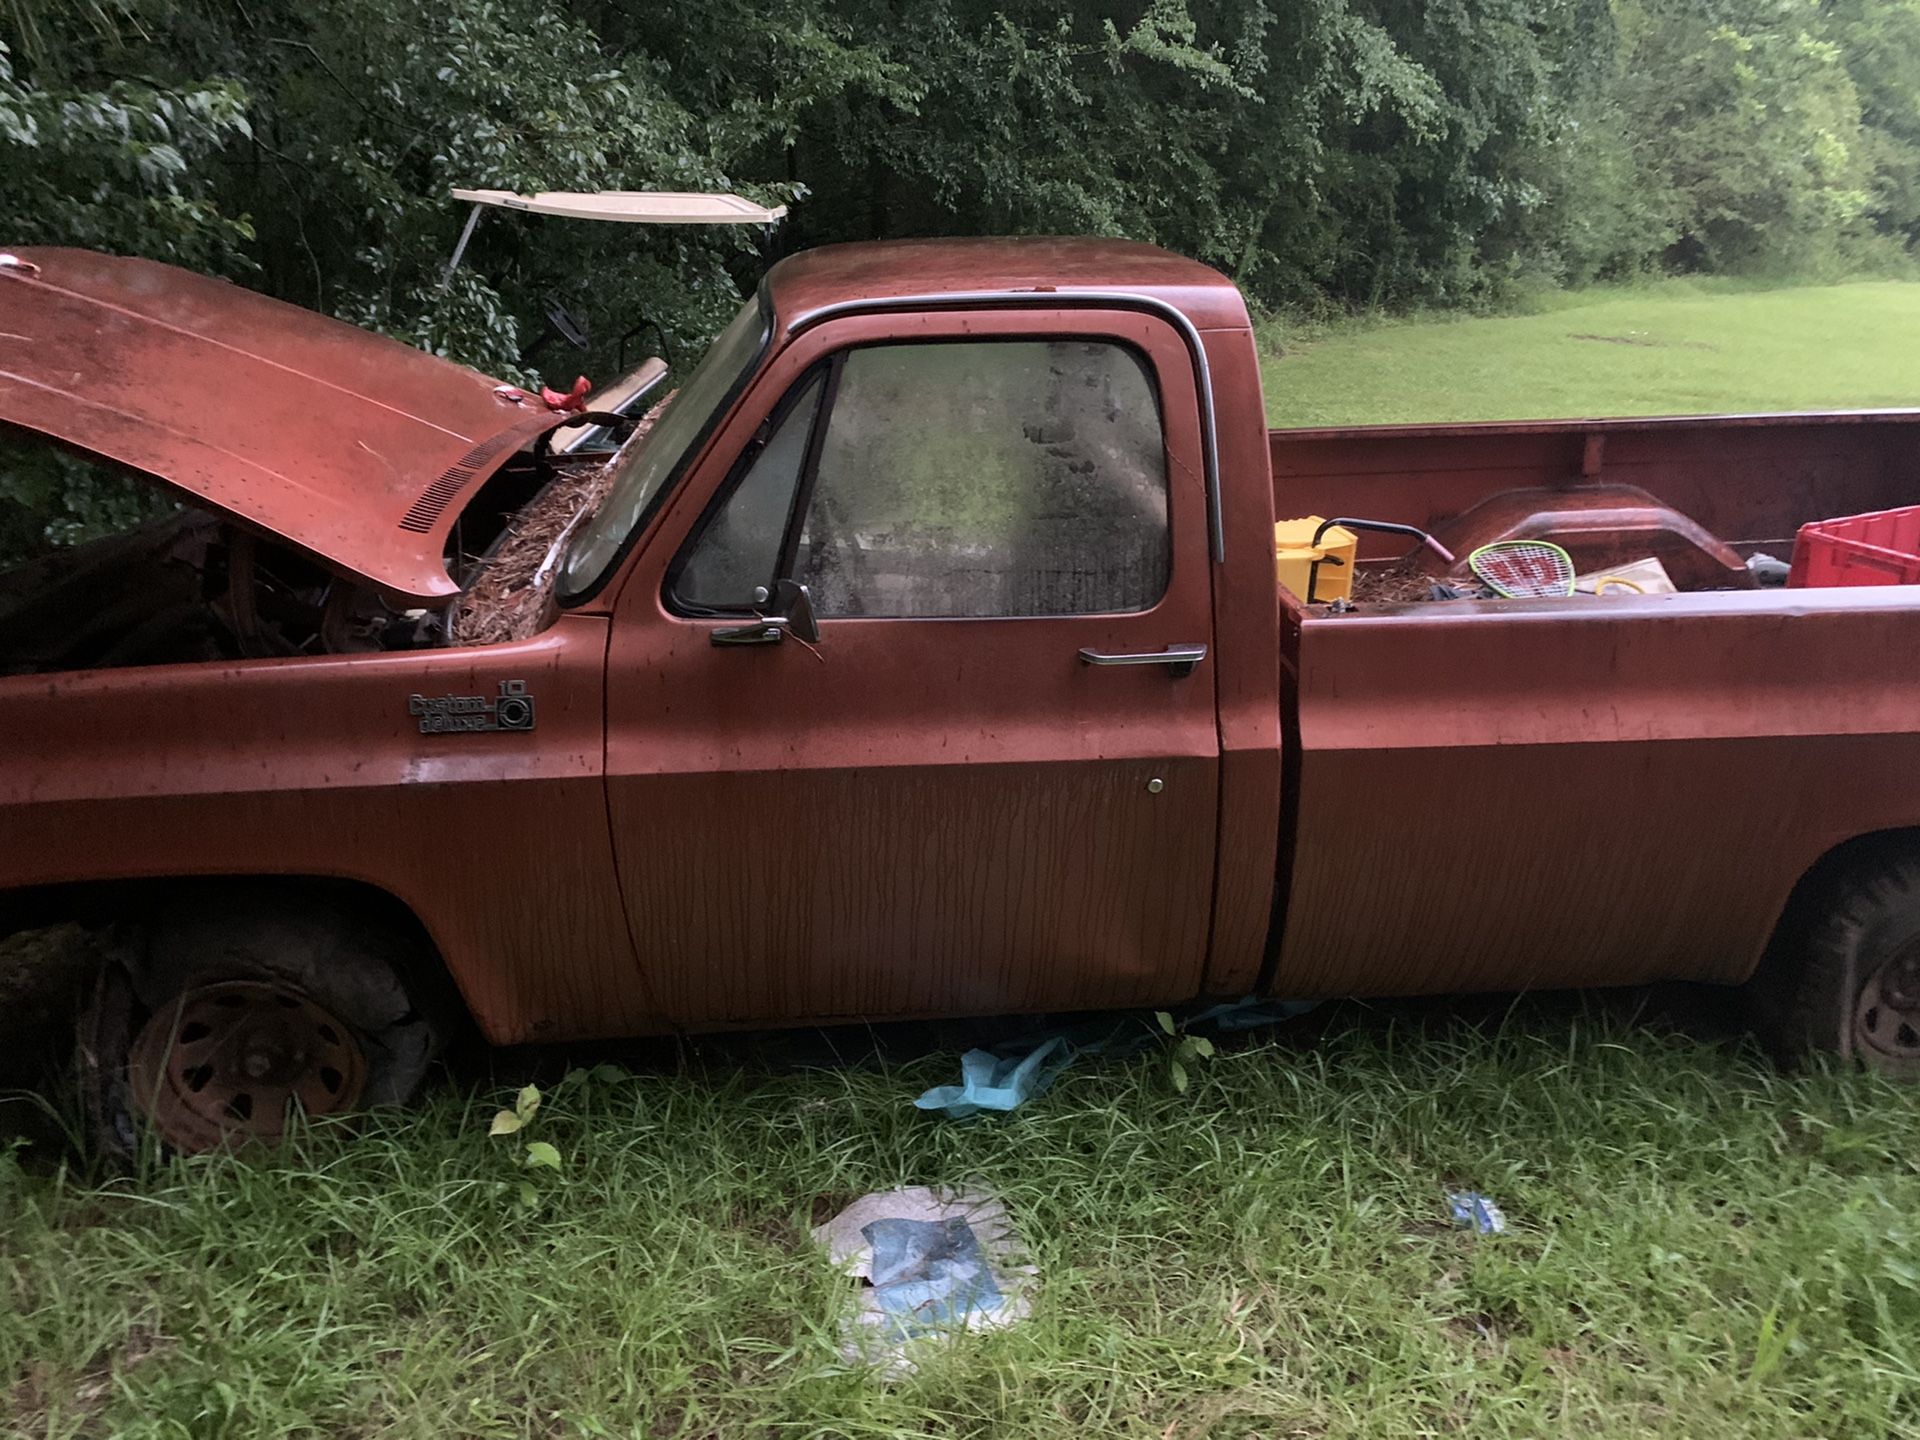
(1343,152)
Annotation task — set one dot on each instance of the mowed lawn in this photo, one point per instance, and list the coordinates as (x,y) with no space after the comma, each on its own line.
(1698,1244)
(1666,348)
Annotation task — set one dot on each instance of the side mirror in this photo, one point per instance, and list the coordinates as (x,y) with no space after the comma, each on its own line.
(789,607)
(792,607)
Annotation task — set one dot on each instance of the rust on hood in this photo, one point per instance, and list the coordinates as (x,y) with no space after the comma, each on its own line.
(354,447)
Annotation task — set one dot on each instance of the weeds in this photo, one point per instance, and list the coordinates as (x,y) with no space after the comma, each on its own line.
(1698,1245)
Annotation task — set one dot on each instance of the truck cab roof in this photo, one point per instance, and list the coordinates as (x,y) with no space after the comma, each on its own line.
(809,286)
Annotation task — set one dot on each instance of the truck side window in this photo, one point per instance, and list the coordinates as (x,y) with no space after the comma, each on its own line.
(1001,477)
(954,478)
(740,547)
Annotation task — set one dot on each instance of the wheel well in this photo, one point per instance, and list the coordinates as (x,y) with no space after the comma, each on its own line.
(98,905)
(1813,891)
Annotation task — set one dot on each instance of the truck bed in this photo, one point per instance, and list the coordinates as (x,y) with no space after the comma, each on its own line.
(1443,753)
(1753,478)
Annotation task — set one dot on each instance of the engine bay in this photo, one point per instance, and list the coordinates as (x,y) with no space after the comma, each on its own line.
(194,587)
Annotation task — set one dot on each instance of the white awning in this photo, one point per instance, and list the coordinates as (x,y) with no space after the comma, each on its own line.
(633,207)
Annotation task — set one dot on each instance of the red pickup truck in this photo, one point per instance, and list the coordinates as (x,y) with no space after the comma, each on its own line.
(922,656)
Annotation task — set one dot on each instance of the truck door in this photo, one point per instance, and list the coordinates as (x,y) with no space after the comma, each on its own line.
(991,786)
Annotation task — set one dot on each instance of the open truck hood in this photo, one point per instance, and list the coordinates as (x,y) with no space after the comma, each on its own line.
(355,448)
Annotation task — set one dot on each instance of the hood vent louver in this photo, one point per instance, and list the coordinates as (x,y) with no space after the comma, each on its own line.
(435,499)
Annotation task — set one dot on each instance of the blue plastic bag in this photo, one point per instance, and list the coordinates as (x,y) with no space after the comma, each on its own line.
(994,1082)
(929,1274)
(1472,1210)
(1024,1068)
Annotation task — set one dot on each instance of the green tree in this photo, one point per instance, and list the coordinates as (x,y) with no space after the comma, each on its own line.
(1879,41)
(1744,111)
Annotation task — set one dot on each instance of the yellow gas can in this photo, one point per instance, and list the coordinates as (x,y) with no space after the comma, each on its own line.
(1294,554)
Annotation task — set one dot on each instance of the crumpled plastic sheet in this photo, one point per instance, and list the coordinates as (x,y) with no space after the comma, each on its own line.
(938,1261)
(989,1081)
(1008,1076)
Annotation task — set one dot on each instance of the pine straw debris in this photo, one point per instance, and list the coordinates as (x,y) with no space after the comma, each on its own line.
(1401,584)
(512,595)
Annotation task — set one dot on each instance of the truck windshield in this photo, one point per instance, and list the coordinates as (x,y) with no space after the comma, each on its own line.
(642,471)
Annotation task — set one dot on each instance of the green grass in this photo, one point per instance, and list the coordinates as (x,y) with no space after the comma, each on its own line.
(1699,1246)
(1674,347)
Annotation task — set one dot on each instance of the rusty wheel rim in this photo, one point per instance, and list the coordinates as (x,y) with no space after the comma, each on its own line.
(1886,1021)
(226,1063)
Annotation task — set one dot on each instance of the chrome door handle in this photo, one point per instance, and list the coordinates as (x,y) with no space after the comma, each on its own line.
(1178,658)
(761,632)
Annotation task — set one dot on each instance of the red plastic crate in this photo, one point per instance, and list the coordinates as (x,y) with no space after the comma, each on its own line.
(1881,548)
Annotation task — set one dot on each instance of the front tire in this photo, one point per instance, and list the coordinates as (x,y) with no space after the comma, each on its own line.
(252,1002)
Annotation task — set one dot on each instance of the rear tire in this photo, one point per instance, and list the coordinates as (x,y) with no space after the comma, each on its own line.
(1843,977)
